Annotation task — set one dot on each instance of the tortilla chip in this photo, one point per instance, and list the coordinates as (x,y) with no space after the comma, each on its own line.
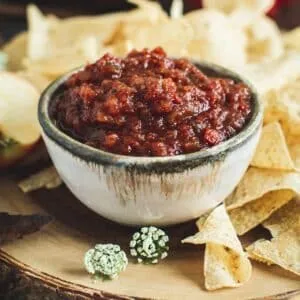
(258,182)
(283,219)
(273,74)
(63,59)
(225,263)
(70,30)
(260,193)
(174,36)
(38,28)
(55,66)
(49,37)
(272,151)
(264,41)
(103,28)
(202,219)
(3,61)
(283,105)
(75,41)
(294,148)
(250,215)
(214,33)
(283,250)
(57,46)
(291,39)
(38,80)
(147,10)
(47,178)
(122,48)
(229,6)
(176,10)
(16,51)
(241,12)
(226,7)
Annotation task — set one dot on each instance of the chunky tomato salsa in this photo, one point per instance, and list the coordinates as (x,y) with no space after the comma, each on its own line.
(150,105)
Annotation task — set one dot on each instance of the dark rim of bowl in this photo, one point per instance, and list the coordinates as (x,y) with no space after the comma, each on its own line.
(91,154)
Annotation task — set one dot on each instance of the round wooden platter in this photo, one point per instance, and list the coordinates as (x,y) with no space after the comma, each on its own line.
(53,256)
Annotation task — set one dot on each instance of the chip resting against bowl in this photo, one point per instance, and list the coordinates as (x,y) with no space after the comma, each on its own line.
(282,105)
(272,151)
(225,262)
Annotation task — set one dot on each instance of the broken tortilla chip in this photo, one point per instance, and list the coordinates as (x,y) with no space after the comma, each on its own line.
(272,151)
(260,193)
(258,182)
(225,262)
(250,215)
(283,250)
(284,218)
(47,178)
(15,50)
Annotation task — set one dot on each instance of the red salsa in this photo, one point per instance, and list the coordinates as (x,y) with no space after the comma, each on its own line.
(150,105)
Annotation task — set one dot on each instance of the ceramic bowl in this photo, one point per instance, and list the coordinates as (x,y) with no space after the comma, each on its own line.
(150,190)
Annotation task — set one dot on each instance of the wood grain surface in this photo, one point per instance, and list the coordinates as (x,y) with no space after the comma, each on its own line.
(51,260)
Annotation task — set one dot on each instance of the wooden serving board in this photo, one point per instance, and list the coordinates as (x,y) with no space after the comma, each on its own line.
(54,256)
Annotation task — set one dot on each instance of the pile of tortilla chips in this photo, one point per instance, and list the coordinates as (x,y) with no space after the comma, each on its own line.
(233,33)
(267,196)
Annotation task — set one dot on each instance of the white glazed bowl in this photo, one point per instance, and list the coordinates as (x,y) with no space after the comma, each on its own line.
(150,190)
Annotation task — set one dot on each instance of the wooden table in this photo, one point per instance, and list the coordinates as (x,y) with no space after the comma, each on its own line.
(16,284)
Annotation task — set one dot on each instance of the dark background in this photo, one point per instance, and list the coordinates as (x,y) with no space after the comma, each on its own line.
(13,20)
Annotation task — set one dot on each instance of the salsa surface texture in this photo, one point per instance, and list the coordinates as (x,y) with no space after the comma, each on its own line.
(150,105)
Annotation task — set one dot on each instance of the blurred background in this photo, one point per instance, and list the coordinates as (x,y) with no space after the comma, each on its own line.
(12,12)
